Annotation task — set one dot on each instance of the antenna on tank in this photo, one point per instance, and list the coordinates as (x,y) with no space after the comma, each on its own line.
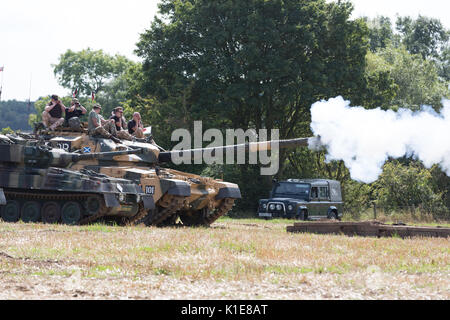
(29,94)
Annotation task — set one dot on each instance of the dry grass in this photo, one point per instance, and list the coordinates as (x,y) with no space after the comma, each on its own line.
(234,259)
(412,217)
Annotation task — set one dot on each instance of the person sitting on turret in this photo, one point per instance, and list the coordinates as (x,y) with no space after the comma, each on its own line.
(52,117)
(99,126)
(135,126)
(120,122)
(74,113)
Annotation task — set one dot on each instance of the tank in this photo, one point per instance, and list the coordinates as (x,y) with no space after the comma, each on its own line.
(196,200)
(37,185)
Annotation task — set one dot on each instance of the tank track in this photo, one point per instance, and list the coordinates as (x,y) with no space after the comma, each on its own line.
(225,206)
(76,197)
(137,218)
(205,217)
(161,214)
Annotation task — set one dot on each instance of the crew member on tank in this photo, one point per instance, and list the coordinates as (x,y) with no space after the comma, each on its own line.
(120,122)
(135,126)
(52,117)
(74,113)
(99,126)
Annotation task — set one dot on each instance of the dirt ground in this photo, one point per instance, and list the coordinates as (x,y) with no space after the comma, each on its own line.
(231,260)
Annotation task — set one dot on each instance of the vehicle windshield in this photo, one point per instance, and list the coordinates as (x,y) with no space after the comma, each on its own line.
(293,190)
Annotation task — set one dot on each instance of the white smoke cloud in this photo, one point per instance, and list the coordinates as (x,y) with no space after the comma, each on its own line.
(364,139)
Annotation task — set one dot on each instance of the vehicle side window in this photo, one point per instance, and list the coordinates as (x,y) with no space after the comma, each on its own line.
(314,193)
(323,192)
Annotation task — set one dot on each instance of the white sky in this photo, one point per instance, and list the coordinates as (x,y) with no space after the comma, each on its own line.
(34,33)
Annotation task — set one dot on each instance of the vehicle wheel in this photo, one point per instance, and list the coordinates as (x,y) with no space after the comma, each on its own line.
(51,212)
(303,215)
(71,213)
(333,215)
(31,212)
(11,211)
(92,205)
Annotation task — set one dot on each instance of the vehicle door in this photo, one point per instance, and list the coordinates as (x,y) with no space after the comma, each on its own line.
(324,199)
(314,203)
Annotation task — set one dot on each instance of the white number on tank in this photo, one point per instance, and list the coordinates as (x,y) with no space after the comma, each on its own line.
(150,189)
(63,145)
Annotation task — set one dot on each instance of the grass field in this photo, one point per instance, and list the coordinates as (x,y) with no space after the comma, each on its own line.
(234,259)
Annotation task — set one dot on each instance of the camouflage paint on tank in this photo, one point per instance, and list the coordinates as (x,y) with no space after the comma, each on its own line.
(32,172)
(199,192)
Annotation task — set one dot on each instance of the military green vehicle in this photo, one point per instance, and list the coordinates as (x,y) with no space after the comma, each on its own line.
(36,186)
(303,199)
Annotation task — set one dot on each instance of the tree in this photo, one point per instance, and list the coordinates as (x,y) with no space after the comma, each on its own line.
(381,86)
(417,80)
(444,64)
(380,32)
(15,114)
(89,70)
(424,36)
(401,186)
(251,64)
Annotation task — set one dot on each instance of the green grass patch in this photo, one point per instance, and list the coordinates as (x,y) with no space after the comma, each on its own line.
(100,228)
(284,269)
(237,247)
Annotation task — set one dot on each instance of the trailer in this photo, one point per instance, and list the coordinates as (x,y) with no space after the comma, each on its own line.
(368,229)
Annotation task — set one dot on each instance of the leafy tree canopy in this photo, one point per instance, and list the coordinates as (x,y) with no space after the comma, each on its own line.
(252,63)
(14,114)
(417,80)
(89,70)
(380,32)
(424,36)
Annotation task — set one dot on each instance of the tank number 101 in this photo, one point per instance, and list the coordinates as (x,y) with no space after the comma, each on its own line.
(150,189)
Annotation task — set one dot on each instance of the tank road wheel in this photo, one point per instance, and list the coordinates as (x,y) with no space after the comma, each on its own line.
(206,217)
(51,212)
(195,218)
(11,211)
(92,205)
(71,213)
(31,212)
(170,221)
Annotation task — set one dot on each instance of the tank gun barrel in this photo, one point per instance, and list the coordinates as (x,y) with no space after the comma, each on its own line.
(312,142)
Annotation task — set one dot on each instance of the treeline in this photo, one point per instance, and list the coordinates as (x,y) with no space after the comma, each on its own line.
(261,64)
(14,115)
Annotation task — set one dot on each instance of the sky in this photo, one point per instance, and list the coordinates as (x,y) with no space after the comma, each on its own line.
(33,34)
